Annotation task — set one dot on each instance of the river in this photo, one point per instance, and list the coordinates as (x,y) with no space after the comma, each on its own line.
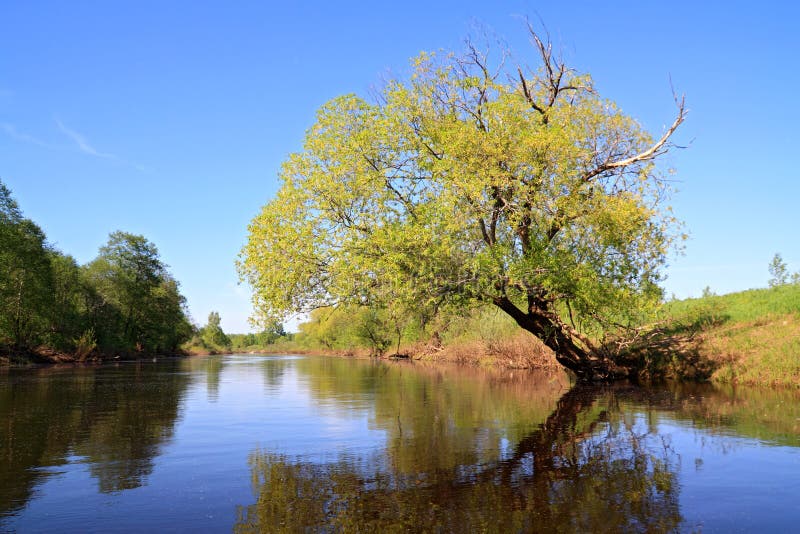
(298,443)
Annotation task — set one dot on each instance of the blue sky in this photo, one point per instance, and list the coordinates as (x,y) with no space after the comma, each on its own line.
(171,119)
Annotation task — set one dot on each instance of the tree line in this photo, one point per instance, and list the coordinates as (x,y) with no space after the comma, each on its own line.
(124,301)
(212,339)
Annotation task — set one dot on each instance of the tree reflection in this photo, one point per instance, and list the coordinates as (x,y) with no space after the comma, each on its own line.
(273,371)
(113,418)
(585,468)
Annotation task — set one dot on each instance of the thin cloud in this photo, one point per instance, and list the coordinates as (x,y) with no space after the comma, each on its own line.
(82,142)
(12,132)
(141,168)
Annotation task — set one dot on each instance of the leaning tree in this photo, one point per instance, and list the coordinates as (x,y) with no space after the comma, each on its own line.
(470,183)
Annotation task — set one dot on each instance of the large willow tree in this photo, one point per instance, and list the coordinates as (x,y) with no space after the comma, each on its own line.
(474,183)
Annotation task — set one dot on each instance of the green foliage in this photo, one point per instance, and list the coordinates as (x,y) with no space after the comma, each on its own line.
(85,344)
(267,339)
(328,328)
(137,305)
(124,300)
(242,341)
(459,187)
(779,273)
(25,276)
(69,306)
(212,335)
(351,327)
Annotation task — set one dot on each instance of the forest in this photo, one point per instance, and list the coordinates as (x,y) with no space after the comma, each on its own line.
(122,303)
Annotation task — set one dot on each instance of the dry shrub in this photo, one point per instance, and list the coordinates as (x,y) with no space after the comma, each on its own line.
(467,352)
(519,351)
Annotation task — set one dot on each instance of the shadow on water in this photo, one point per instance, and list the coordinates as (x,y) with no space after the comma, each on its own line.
(113,418)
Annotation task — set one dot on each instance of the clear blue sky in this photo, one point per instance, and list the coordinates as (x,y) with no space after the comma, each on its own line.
(171,119)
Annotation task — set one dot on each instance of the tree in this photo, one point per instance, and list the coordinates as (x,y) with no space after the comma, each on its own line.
(68,308)
(271,332)
(778,271)
(25,276)
(212,334)
(136,304)
(468,183)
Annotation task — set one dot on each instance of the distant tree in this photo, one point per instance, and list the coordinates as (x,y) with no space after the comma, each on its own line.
(271,333)
(212,333)
(779,273)
(125,299)
(326,328)
(241,341)
(167,325)
(373,329)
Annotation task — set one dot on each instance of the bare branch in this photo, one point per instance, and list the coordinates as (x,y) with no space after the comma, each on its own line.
(658,148)
(527,93)
(555,76)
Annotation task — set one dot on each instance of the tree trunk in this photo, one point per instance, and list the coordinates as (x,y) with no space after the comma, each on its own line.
(588,365)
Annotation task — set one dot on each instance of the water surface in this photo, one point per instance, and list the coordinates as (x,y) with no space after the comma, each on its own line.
(282,443)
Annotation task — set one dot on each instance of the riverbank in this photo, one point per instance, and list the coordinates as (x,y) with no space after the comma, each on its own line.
(751,337)
(48,356)
(519,351)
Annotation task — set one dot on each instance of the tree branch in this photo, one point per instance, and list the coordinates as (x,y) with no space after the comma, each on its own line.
(658,148)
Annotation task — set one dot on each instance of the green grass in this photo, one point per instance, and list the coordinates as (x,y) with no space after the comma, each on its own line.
(750,305)
(751,337)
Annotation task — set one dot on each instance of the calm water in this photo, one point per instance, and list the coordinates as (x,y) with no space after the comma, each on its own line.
(252,443)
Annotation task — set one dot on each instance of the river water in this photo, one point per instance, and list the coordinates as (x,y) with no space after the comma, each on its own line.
(289,443)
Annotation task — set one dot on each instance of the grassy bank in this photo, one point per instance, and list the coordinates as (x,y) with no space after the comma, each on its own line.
(750,337)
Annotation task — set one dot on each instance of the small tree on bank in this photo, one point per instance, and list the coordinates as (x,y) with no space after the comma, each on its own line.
(474,183)
(212,334)
(779,273)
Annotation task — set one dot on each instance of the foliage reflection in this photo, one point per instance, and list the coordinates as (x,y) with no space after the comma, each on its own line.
(586,467)
(115,419)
